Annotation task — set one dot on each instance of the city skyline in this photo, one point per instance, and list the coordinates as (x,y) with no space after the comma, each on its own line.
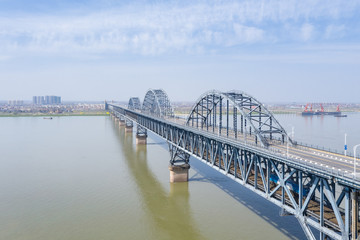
(276,51)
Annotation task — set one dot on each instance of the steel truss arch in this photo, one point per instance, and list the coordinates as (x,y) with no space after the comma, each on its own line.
(251,111)
(134,103)
(157,102)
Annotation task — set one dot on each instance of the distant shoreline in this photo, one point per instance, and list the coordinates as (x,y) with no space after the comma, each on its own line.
(87,114)
(277,111)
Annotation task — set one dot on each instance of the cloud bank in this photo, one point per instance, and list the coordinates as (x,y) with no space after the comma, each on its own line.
(192,27)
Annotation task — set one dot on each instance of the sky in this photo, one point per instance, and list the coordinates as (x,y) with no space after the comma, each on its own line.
(274,50)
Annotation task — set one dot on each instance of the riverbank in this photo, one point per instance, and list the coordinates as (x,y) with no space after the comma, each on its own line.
(75,114)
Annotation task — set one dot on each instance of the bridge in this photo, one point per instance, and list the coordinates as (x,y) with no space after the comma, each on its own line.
(237,135)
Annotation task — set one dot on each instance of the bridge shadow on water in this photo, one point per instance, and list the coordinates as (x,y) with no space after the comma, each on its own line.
(268,211)
(168,213)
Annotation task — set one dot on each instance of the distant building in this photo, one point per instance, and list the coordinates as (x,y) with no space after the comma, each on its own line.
(38,100)
(46,100)
(15,102)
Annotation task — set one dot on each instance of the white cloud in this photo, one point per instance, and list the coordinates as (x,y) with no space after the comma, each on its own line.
(162,28)
(307,31)
(334,31)
(248,34)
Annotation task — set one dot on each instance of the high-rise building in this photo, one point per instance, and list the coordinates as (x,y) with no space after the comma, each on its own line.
(46,100)
(15,102)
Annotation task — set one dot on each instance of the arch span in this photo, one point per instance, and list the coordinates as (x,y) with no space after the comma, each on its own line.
(249,116)
(134,103)
(157,102)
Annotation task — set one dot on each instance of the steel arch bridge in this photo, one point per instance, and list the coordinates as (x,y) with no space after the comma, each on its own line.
(254,117)
(157,102)
(134,103)
(321,198)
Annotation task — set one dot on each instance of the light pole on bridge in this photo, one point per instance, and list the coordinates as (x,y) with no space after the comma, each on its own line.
(355,147)
(345,145)
(287,145)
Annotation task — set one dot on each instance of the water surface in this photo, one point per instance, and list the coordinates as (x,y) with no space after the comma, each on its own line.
(84,178)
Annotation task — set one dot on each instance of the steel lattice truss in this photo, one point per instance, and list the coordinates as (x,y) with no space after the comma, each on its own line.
(134,103)
(317,198)
(249,116)
(157,103)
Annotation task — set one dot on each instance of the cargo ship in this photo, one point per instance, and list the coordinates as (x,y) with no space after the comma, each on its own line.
(310,112)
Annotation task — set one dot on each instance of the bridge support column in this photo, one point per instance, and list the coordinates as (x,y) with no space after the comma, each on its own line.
(122,123)
(179,173)
(141,135)
(128,126)
(354,214)
(128,129)
(141,139)
(179,164)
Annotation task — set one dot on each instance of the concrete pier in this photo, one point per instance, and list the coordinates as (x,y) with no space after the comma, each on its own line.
(122,123)
(128,129)
(141,140)
(179,173)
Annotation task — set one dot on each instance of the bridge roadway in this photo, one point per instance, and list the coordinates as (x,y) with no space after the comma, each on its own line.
(316,186)
(329,161)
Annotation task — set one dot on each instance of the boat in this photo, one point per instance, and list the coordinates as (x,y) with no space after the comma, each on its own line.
(340,115)
(310,112)
(48,118)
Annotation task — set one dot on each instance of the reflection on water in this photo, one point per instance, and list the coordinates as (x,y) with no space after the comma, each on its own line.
(168,212)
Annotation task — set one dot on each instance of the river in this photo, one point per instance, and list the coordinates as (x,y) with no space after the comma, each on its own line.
(83,178)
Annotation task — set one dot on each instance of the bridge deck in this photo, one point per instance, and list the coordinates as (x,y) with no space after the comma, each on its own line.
(333,162)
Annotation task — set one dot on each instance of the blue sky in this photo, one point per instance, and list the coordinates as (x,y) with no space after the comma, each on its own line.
(276,50)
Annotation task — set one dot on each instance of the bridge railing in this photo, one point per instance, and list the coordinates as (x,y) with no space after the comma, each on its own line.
(326,168)
(299,143)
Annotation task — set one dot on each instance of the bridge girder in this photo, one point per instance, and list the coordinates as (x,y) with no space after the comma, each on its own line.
(209,109)
(157,102)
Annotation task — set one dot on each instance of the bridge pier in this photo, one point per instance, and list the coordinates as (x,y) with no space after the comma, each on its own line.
(141,139)
(354,214)
(179,173)
(128,129)
(122,123)
(128,126)
(141,135)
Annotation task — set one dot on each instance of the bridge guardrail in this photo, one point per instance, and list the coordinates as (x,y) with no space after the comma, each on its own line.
(322,167)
